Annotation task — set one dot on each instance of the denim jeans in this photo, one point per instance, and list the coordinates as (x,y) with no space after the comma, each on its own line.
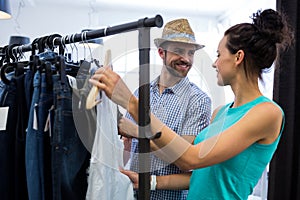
(70,159)
(2,89)
(12,139)
(38,158)
(28,84)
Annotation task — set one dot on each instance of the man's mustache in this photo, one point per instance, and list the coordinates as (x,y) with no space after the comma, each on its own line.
(182,63)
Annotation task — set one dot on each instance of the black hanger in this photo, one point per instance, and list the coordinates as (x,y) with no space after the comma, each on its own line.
(9,66)
(18,67)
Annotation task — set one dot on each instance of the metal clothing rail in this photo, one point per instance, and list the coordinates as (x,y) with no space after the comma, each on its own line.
(57,40)
(143,26)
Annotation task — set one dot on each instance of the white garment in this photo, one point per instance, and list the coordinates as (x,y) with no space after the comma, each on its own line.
(105,181)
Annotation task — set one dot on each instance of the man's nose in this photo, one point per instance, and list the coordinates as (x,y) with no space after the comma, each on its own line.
(185,56)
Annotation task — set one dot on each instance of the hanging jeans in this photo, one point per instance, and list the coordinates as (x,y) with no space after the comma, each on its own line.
(28,84)
(38,158)
(12,140)
(2,89)
(70,159)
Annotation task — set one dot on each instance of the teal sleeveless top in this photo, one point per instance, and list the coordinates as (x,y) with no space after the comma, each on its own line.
(234,178)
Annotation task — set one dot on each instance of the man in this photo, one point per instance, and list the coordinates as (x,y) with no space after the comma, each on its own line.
(177,102)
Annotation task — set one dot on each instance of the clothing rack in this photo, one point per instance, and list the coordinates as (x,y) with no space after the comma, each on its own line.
(143,26)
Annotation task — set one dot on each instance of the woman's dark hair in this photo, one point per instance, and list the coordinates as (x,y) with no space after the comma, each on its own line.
(261,40)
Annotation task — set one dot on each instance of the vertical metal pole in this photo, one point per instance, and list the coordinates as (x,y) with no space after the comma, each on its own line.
(144,117)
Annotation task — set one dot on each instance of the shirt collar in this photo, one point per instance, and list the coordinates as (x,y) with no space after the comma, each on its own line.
(178,89)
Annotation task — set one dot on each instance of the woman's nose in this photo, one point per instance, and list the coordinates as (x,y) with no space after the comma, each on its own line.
(214,65)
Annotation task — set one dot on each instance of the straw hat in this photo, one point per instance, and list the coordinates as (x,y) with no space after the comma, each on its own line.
(178,30)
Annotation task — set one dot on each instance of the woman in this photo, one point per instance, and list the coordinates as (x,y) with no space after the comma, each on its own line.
(229,156)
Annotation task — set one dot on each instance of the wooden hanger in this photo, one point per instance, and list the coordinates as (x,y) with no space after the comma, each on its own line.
(92,96)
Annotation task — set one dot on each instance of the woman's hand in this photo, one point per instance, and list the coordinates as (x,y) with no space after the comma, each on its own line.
(127,128)
(133,176)
(113,86)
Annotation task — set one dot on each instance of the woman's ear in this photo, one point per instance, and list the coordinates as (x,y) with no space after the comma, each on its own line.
(239,56)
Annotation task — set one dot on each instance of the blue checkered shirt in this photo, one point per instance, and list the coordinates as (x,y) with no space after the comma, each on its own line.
(184,108)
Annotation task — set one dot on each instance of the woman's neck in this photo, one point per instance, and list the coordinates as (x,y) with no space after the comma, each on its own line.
(244,93)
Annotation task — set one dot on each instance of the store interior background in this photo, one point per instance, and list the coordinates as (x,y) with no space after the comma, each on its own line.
(209,20)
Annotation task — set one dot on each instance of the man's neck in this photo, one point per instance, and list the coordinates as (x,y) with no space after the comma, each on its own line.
(167,81)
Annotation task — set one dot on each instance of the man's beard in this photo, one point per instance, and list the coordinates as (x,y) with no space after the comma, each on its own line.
(172,68)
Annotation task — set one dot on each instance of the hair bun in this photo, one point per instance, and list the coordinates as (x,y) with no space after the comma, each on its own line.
(269,23)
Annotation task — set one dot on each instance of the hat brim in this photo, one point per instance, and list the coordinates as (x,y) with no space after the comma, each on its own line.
(159,41)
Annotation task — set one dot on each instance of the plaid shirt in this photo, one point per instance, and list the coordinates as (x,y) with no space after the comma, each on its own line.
(184,108)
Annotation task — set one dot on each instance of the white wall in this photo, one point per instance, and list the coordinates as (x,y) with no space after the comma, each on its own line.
(37,21)
(36,18)
(44,18)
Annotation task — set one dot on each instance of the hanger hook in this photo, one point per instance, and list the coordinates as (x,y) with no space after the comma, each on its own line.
(53,41)
(71,46)
(63,43)
(75,48)
(65,38)
(105,30)
(22,55)
(83,41)
(46,42)
(18,53)
(88,46)
(14,53)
